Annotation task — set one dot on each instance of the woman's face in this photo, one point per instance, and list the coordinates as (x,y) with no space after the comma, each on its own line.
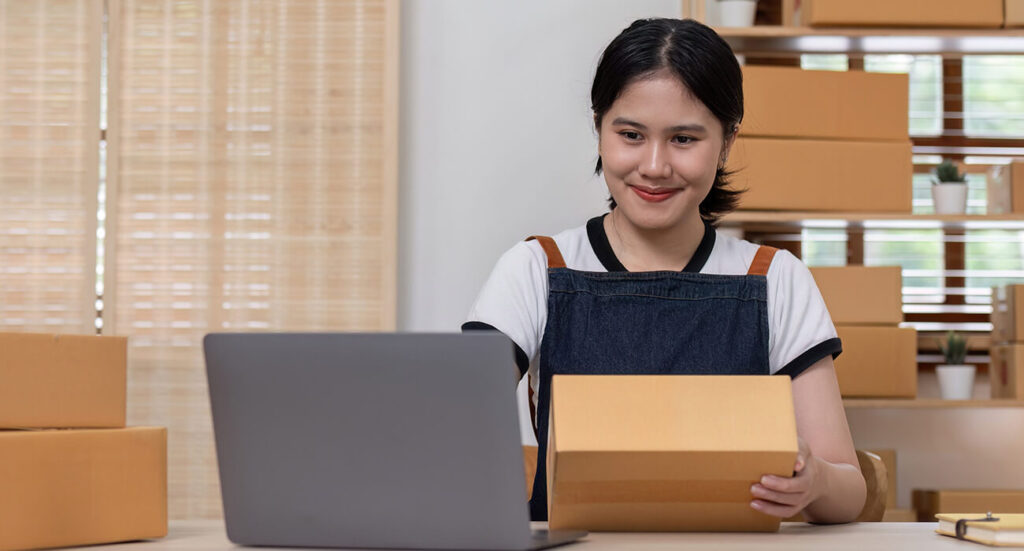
(660,147)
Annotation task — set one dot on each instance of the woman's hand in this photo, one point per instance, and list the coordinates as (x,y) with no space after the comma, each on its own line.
(784,497)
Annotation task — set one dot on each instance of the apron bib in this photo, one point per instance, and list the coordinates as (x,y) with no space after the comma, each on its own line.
(647,323)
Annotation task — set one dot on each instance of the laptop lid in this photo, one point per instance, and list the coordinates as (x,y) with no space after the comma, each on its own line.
(368,440)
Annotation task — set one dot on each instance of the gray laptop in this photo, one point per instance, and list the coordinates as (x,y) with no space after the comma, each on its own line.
(370,440)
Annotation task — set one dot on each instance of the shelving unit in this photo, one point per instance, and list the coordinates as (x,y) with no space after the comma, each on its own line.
(937,441)
(928,403)
(877,219)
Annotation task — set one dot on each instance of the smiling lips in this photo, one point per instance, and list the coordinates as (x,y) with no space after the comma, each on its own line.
(654,195)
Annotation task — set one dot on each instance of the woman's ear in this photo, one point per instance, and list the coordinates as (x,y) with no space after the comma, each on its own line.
(727,146)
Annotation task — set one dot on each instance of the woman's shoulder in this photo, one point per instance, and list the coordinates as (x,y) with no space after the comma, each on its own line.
(528,255)
(733,255)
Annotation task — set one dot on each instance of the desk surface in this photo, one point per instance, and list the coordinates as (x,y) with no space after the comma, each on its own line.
(875,536)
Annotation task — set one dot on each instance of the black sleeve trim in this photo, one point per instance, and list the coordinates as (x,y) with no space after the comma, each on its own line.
(807,359)
(522,360)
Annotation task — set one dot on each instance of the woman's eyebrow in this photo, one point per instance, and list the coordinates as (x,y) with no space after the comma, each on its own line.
(621,121)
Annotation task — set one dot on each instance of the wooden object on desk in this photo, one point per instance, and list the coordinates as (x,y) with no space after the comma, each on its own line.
(899,515)
(530,462)
(877,482)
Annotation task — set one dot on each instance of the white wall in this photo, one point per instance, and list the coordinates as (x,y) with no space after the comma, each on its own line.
(497,141)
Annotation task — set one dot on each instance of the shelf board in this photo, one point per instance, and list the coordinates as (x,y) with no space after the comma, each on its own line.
(772,40)
(927,403)
(873,219)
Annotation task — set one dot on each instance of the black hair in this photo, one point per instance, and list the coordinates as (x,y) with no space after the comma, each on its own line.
(700,59)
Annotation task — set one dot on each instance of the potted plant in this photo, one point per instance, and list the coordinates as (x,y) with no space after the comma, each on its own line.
(949,189)
(736,13)
(956,379)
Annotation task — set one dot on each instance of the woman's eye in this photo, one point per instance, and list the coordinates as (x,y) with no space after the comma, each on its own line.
(629,135)
(682,139)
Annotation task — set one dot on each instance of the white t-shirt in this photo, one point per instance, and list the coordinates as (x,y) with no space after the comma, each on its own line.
(514,299)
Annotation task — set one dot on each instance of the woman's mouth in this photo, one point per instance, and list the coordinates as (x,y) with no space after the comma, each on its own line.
(654,195)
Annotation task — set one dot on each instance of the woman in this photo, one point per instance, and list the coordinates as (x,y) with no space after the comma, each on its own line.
(652,288)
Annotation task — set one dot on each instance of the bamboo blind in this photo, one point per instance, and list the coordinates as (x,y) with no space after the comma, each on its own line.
(49,147)
(252,187)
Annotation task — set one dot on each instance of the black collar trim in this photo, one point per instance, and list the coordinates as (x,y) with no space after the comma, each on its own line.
(603,248)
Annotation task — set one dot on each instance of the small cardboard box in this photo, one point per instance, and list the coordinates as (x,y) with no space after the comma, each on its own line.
(1006,371)
(854,105)
(903,13)
(1014,13)
(862,295)
(877,362)
(889,459)
(82,487)
(666,452)
(1007,316)
(1005,188)
(822,175)
(62,381)
(929,503)
(899,515)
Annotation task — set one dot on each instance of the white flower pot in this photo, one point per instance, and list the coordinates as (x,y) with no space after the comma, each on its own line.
(950,197)
(956,382)
(736,13)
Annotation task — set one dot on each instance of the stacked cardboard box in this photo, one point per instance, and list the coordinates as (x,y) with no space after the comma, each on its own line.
(903,13)
(929,503)
(1006,365)
(1005,188)
(1013,11)
(879,358)
(809,137)
(71,472)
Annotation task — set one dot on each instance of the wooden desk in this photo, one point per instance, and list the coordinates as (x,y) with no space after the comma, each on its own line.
(875,536)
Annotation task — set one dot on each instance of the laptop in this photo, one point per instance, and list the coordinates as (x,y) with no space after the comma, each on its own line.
(370,440)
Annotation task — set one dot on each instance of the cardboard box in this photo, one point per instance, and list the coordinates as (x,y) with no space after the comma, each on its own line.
(666,452)
(903,13)
(889,459)
(1006,371)
(929,503)
(877,362)
(862,295)
(1007,318)
(1005,188)
(82,487)
(62,381)
(822,175)
(1013,13)
(899,515)
(854,105)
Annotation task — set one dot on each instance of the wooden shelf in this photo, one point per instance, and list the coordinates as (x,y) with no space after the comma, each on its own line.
(872,219)
(928,403)
(771,40)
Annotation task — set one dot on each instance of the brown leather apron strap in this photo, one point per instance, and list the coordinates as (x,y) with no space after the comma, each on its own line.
(551,249)
(762,260)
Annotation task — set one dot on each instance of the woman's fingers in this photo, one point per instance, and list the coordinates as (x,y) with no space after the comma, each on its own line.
(774,509)
(781,498)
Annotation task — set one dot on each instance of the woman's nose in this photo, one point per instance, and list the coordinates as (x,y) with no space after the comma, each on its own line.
(655,162)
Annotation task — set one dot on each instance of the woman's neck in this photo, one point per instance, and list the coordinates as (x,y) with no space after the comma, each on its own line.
(641,250)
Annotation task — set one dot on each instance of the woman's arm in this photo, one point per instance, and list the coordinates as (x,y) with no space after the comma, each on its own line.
(828,487)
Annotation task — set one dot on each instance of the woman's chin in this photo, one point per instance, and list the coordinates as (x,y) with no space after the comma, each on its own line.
(655,217)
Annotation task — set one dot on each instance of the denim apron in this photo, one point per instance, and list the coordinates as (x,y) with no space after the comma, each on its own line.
(647,323)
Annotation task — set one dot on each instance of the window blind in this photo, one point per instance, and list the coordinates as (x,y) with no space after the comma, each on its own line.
(251,186)
(49,143)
